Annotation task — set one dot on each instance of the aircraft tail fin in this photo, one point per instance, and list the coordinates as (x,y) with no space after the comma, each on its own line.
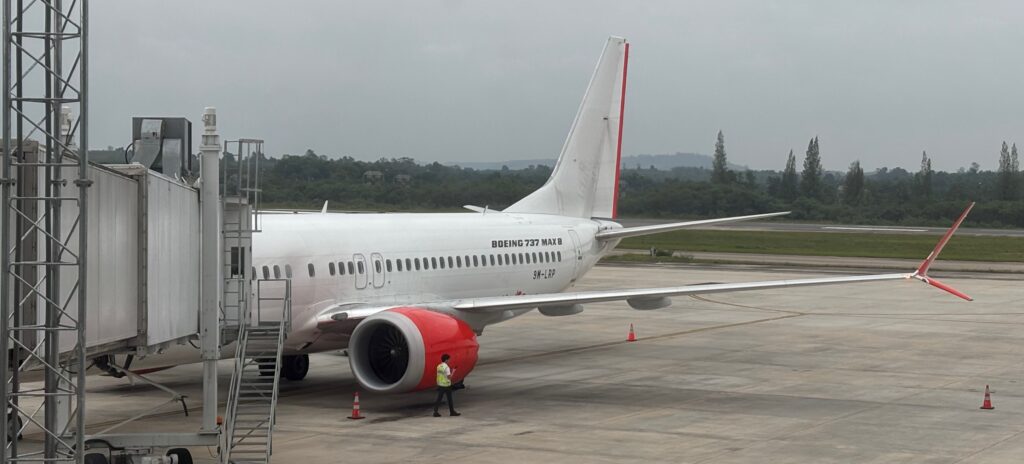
(584,182)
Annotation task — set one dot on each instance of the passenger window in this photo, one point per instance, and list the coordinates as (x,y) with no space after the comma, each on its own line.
(559,256)
(311,269)
(288,271)
(330,268)
(361,267)
(408,264)
(492,260)
(266,272)
(535,258)
(433,263)
(417,264)
(388,265)
(476,262)
(376,265)
(458,261)
(277,272)
(351,268)
(514,259)
(528,258)
(341,268)
(449,262)
(467,260)
(521,258)
(253,274)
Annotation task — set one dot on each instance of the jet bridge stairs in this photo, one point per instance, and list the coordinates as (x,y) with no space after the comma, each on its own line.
(252,397)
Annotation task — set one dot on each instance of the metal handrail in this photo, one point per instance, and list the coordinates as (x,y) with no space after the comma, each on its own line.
(249,321)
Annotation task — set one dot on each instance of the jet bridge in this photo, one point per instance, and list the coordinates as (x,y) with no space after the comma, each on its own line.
(150,262)
(143,258)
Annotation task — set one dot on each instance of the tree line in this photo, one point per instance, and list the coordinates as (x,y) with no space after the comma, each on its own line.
(884,196)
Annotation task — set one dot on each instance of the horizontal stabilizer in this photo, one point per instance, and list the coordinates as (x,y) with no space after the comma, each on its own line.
(658,228)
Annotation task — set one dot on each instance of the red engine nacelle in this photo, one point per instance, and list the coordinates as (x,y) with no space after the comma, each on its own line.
(398,350)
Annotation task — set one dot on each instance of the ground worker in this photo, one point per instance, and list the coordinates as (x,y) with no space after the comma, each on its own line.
(444,386)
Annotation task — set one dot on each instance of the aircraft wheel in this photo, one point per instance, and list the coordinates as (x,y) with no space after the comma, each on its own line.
(95,458)
(184,456)
(295,367)
(14,424)
(266,367)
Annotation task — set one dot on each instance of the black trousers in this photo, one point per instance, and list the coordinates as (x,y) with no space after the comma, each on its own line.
(442,393)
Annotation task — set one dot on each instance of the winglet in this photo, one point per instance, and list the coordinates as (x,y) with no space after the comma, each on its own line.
(922,271)
(324,209)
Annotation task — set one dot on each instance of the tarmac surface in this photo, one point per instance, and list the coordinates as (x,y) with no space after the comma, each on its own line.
(877,372)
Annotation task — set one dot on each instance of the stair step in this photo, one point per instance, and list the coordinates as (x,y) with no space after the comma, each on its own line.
(263,415)
(251,433)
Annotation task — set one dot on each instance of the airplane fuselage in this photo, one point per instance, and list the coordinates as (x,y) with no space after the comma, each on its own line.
(402,259)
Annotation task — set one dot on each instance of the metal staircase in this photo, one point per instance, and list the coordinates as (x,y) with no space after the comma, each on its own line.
(256,314)
(252,398)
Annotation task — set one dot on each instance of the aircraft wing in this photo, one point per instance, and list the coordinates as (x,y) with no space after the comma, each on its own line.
(651,298)
(658,228)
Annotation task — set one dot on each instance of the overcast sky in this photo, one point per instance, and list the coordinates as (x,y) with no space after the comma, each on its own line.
(496,80)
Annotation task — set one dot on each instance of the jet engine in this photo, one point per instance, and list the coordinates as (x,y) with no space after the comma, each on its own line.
(398,350)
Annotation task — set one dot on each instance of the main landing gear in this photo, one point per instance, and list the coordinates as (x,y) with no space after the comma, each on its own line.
(293,367)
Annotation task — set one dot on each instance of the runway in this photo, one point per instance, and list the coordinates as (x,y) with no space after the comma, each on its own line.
(878,372)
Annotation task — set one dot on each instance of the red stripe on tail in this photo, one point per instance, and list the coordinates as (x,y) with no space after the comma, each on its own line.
(622,116)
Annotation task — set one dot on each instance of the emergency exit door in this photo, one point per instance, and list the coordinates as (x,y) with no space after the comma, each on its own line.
(377,268)
(361,270)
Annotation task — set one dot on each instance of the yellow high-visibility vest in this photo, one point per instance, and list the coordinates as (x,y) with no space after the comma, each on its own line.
(442,378)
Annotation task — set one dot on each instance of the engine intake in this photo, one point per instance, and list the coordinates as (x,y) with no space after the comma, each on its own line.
(397,350)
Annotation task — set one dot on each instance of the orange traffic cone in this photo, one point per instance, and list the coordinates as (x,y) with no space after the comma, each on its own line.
(987,404)
(355,408)
(632,335)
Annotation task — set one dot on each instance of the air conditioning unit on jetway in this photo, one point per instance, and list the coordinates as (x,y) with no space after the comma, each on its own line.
(163,145)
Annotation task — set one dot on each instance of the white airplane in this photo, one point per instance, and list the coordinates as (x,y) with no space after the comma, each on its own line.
(398,290)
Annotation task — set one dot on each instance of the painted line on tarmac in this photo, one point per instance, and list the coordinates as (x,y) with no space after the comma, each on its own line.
(874,229)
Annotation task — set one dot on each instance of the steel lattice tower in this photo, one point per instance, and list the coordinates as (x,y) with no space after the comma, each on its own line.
(43,186)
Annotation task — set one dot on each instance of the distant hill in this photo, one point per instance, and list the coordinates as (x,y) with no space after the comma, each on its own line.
(514,165)
(661,162)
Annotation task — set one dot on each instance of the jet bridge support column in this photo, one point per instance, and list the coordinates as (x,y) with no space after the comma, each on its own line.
(209,310)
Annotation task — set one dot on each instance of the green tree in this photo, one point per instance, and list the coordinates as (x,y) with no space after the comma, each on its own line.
(923,177)
(720,167)
(853,184)
(1014,161)
(789,187)
(1007,177)
(810,178)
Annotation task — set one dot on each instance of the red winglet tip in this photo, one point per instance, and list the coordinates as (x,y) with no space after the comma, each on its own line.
(923,268)
(942,286)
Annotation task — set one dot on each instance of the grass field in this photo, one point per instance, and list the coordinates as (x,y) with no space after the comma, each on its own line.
(960,248)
